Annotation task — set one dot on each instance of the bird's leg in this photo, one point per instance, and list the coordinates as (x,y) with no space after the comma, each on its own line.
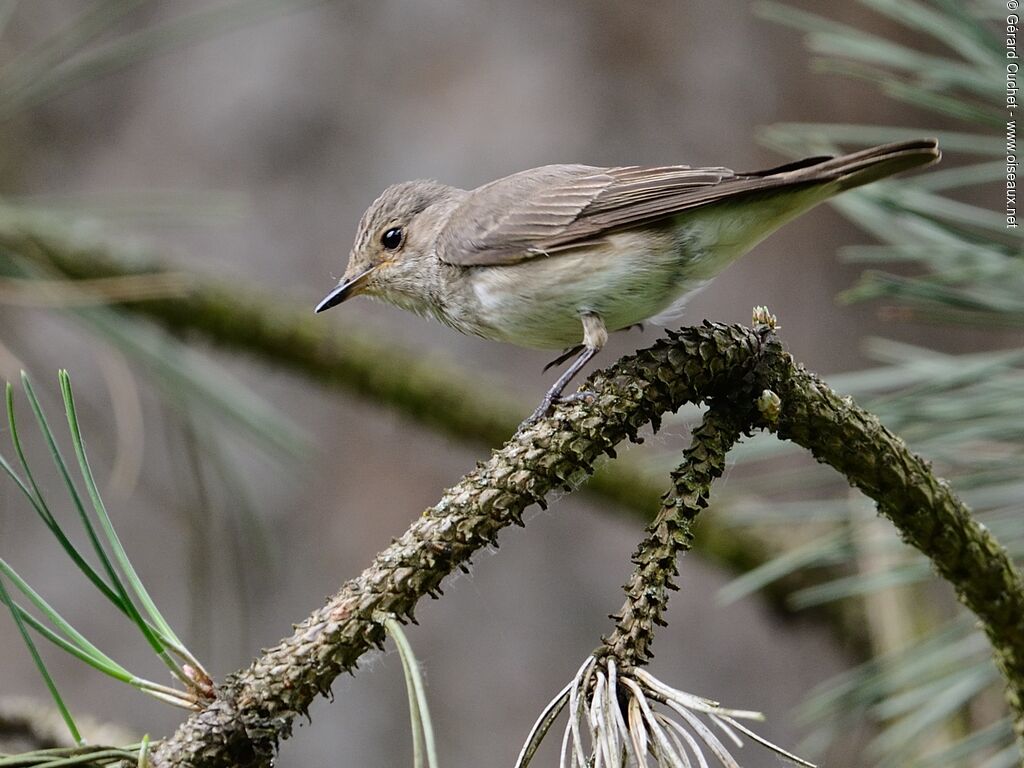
(563,357)
(595,335)
(555,393)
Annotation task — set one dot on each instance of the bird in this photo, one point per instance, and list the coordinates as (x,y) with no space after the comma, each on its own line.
(556,257)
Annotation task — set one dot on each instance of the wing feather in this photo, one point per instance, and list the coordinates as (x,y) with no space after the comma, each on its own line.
(557,207)
(545,209)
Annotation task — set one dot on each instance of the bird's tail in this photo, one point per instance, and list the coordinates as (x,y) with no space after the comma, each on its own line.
(756,204)
(859,168)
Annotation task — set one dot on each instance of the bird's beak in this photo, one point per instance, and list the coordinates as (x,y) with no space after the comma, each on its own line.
(348,287)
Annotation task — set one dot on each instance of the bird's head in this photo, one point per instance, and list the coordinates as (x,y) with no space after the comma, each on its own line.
(394,245)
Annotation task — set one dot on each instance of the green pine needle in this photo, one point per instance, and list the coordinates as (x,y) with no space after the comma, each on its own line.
(35,498)
(65,714)
(114,542)
(419,711)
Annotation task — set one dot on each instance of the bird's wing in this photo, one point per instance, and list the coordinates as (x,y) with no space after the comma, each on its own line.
(555,207)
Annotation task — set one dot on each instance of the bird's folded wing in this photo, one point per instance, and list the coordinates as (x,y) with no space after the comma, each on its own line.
(546,210)
(541,212)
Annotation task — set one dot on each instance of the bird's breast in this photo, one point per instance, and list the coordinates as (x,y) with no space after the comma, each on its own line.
(625,278)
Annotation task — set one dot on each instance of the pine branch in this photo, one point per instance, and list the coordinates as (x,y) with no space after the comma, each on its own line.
(669,535)
(922,507)
(723,365)
(257,706)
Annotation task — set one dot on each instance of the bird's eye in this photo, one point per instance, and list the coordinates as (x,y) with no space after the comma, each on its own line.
(393,238)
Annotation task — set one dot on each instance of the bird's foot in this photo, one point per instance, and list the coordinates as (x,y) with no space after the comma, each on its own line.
(542,410)
(587,396)
(550,401)
(554,395)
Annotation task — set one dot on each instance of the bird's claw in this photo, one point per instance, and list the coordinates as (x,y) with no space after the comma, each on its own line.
(583,396)
(550,401)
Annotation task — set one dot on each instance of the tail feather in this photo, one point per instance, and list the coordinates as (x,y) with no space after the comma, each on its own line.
(868,165)
(769,199)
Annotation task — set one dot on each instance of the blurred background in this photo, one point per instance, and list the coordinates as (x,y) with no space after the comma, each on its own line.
(245,146)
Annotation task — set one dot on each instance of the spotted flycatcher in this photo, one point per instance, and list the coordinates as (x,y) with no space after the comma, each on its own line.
(558,256)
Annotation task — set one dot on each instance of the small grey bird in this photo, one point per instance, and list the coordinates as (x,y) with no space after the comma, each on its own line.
(558,256)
